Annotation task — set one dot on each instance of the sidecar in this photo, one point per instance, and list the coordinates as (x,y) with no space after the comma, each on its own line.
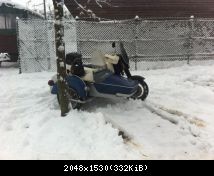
(102,78)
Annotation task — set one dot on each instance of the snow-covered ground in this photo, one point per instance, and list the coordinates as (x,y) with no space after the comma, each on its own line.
(175,122)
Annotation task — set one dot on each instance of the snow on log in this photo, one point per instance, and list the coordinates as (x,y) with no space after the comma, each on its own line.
(61,48)
(10,4)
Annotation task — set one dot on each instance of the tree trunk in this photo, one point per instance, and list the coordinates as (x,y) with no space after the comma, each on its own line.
(60,53)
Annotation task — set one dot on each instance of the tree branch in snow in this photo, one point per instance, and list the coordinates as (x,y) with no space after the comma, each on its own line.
(98,3)
(85,8)
(104,2)
(80,6)
(89,12)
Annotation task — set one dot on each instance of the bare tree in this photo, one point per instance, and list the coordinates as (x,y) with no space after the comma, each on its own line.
(85,8)
(60,53)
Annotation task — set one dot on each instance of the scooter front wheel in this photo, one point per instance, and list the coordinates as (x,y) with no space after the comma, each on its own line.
(143,87)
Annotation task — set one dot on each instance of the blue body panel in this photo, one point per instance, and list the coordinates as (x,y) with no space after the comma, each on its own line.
(75,83)
(115,84)
(54,89)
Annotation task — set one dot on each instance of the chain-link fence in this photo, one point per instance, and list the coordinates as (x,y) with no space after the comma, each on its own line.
(36,43)
(149,43)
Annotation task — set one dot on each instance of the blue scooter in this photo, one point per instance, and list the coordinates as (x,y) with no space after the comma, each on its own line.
(107,76)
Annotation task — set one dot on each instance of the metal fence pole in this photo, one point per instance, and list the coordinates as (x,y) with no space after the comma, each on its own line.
(149,42)
(190,45)
(137,21)
(48,46)
(18,46)
(78,25)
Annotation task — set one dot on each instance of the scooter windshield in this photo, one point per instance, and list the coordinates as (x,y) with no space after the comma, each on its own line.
(124,54)
(98,58)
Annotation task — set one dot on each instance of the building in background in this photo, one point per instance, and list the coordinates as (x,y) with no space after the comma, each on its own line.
(8,36)
(128,9)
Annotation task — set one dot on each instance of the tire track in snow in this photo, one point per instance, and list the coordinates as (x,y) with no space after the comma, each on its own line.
(163,114)
(128,138)
(144,132)
(174,115)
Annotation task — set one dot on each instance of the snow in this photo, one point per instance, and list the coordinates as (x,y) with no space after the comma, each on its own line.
(61,48)
(4,57)
(15,5)
(175,122)
(58,22)
(18,6)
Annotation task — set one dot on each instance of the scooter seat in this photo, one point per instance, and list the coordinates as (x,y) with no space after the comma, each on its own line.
(89,74)
(95,75)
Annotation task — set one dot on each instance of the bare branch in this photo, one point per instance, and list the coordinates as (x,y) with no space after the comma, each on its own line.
(105,2)
(84,9)
(80,6)
(98,3)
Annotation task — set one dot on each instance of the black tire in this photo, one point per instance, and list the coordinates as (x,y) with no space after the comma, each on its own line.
(142,84)
(72,94)
(145,90)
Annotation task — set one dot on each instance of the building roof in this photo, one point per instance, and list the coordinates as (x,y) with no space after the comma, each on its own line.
(15,6)
(127,9)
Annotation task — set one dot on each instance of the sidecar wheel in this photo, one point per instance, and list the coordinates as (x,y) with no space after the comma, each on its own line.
(73,95)
(144,89)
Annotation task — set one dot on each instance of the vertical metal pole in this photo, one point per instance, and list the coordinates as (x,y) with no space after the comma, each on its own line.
(135,41)
(18,44)
(135,63)
(5,21)
(45,12)
(191,24)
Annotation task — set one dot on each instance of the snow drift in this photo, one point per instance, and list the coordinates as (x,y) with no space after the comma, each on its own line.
(175,122)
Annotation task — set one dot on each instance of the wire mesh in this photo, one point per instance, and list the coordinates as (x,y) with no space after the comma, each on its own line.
(150,44)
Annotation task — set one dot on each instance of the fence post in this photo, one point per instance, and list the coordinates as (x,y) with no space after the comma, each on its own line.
(137,20)
(49,63)
(18,47)
(48,45)
(190,44)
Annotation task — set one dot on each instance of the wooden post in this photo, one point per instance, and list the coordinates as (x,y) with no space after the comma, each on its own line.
(60,53)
